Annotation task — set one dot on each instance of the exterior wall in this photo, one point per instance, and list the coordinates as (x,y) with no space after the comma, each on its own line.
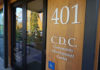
(90,36)
(9,33)
(65,32)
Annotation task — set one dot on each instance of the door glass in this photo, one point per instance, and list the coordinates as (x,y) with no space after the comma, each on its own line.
(19,42)
(1,34)
(34,37)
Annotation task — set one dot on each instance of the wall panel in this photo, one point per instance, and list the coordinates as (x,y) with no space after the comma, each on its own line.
(65,38)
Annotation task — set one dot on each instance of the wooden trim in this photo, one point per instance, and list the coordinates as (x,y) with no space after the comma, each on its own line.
(1,6)
(12,1)
(9,33)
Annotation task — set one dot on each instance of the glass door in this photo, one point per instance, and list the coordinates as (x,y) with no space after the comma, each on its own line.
(19,41)
(18,37)
(27,36)
(34,35)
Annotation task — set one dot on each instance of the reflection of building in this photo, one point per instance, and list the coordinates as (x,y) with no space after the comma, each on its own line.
(1,37)
(1,24)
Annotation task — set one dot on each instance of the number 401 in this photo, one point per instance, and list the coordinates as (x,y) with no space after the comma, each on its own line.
(68,15)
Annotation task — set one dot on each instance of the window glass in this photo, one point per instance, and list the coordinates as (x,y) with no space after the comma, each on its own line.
(1,23)
(19,47)
(1,34)
(34,40)
(34,34)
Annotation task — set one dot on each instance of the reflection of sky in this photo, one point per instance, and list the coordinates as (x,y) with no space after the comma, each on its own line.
(41,17)
(1,17)
(19,14)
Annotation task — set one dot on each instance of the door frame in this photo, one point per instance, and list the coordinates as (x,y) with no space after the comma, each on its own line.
(5,11)
(13,33)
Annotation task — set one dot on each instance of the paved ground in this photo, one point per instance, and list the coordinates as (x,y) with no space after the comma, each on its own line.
(2,66)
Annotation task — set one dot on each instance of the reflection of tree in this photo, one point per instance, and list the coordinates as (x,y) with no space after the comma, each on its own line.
(18,30)
(18,33)
(34,22)
(35,33)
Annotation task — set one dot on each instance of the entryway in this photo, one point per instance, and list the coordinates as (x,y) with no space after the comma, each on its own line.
(27,35)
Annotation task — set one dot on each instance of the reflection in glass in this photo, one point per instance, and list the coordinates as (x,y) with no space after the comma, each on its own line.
(34,40)
(1,34)
(18,49)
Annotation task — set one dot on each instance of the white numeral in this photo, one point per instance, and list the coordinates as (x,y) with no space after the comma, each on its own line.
(76,14)
(56,18)
(61,15)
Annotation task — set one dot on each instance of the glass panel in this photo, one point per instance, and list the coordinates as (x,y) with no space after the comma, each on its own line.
(1,34)
(34,40)
(19,44)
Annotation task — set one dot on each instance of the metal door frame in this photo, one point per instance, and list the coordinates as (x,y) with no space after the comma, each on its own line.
(13,33)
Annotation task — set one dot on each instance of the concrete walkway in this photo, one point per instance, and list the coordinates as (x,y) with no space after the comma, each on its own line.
(2,65)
